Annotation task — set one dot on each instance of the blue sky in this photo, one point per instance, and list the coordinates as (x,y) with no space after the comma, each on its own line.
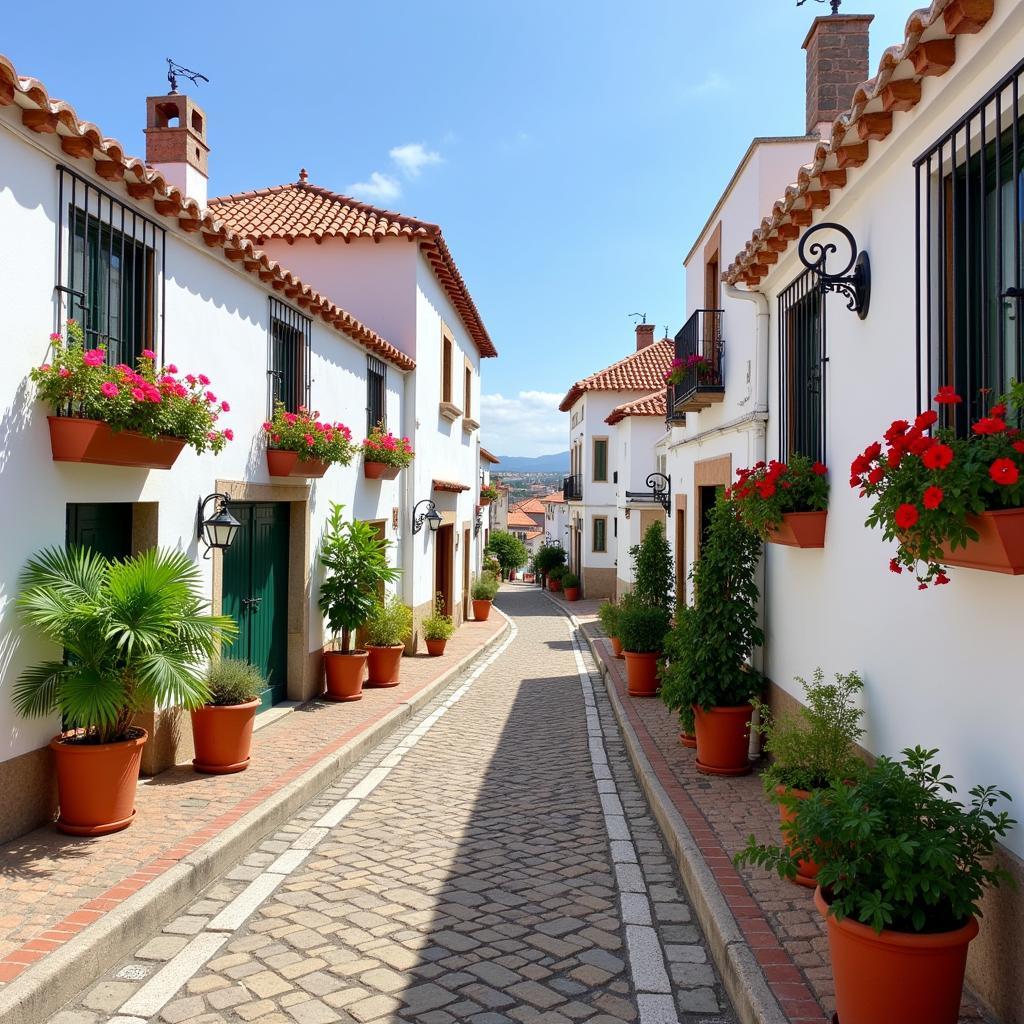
(570,150)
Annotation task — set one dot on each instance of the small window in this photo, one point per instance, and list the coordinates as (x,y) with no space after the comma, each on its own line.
(467,397)
(290,339)
(600,533)
(376,389)
(447,360)
(802,376)
(600,459)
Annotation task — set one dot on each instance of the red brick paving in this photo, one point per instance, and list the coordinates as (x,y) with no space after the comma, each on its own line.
(53,886)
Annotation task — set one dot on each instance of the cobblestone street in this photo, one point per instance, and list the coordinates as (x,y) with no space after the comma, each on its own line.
(495,861)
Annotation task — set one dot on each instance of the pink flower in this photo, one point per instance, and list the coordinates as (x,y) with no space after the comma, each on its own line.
(94,357)
(290,418)
(138,394)
(55,336)
(210,396)
(229,434)
(64,371)
(110,389)
(46,367)
(212,435)
(166,379)
(192,379)
(309,439)
(225,407)
(203,379)
(171,368)
(268,426)
(148,353)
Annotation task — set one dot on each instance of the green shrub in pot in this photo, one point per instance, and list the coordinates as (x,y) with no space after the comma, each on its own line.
(232,681)
(485,588)
(609,613)
(570,581)
(389,624)
(556,572)
(438,625)
(642,628)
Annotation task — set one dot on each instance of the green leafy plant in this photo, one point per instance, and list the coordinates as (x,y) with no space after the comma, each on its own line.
(643,628)
(713,638)
(570,581)
(489,492)
(135,632)
(547,557)
(231,681)
(896,850)
(557,572)
(384,447)
(609,613)
(652,568)
(764,493)
(355,565)
(438,625)
(508,549)
(305,433)
(389,624)
(485,588)
(492,565)
(813,746)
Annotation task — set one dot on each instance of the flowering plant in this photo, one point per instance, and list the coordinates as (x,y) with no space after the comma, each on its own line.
(925,485)
(679,368)
(148,399)
(386,448)
(489,492)
(766,491)
(304,432)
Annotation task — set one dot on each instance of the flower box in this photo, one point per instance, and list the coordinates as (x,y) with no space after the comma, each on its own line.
(380,471)
(799,530)
(1000,543)
(284,463)
(73,439)
(484,502)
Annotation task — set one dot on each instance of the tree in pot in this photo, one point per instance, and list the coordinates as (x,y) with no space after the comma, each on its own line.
(713,640)
(437,628)
(135,635)
(508,549)
(608,613)
(546,558)
(222,727)
(642,630)
(652,569)
(674,691)
(811,748)
(484,591)
(356,566)
(903,868)
(386,633)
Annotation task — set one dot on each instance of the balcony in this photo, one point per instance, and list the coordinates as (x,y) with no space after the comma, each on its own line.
(699,347)
(572,487)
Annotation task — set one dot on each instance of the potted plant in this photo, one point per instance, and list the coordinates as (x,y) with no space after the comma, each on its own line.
(949,500)
(642,630)
(384,455)
(784,503)
(674,692)
(134,634)
(437,628)
(509,551)
(300,444)
(811,748)
(652,569)
(545,559)
(386,633)
(714,638)
(608,613)
(484,591)
(355,566)
(571,586)
(222,727)
(119,416)
(903,868)
(555,575)
(488,493)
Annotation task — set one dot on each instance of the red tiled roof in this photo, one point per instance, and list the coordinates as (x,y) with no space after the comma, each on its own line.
(488,457)
(301,210)
(533,534)
(451,486)
(529,505)
(928,49)
(554,496)
(83,140)
(517,518)
(640,371)
(649,405)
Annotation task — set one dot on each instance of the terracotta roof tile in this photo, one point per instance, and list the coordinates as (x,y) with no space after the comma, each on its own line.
(650,405)
(640,371)
(301,210)
(451,486)
(896,87)
(553,497)
(529,505)
(82,140)
(488,457)
(521,519)
(533,534)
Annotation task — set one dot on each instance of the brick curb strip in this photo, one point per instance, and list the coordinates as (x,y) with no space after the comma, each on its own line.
(736,962)
(47,985)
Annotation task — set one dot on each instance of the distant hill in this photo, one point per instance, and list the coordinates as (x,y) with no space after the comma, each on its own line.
(558,463)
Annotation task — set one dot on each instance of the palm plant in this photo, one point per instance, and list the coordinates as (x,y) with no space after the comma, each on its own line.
(133,631)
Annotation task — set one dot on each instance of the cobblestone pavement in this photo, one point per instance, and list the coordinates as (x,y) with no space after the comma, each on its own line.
(495,862)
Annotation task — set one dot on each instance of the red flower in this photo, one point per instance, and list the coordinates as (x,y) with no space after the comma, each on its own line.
(895,567)
(941,580)
(766,489)
(872,451)
(895,458)
(861,464)
(1004,472)
(939,456)
(947,396)
(997,410)
(932,497)
(897,429)
(926,419)
(907,516)
(876,475)
(989,425)
(855,481)
(922,586)
(1018,446)
(819,469)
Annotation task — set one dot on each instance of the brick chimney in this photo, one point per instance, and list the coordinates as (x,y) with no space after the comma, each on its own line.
(644,335)
(837,62)
(176,143)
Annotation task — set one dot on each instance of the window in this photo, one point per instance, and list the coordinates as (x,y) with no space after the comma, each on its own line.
(970,244)
(600,459)
(290,341)
(467,392)
(802,362)
(447,360)
(376,390)
(600,533)
(109,270)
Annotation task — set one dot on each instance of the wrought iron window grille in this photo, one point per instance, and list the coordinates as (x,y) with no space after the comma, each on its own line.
(289,357)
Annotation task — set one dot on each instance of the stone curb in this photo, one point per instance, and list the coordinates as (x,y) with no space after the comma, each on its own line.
(44,988)
(742,976)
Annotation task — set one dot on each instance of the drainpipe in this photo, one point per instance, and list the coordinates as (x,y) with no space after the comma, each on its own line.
(407,497)
(759,391)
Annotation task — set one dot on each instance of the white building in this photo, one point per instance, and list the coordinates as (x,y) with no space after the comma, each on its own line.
(556,519)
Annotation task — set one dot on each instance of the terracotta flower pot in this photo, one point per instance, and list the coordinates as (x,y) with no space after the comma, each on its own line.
(641,674)
(383,665)
(484,502)
(222,736)
(616,646)
(481,610)
(73,439)
(282,463)
(1000,543)
(96,784)
(344,675)
(807,870)
(572,593)
(688,740)
(554,586)
(896,976)
(800,530)
(512,576)
(435,648)
(380,471)
(723,739)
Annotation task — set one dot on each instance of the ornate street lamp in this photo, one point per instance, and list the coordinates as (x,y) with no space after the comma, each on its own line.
(852,280)
(219,530)
(430,516)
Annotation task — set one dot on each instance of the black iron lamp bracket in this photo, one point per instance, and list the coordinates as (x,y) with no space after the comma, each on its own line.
(853,281)
(222,500)
(418,517)
(660,492)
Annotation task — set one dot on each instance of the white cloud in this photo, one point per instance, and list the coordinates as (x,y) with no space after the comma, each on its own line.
(528,424)
(413,157)
(380,188)
(713,84)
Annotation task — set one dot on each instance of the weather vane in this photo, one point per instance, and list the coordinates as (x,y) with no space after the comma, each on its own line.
(643,317)
(173,70)
(835,4)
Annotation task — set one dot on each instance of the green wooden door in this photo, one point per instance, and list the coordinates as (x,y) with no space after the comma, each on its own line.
(255,593)
(105,527)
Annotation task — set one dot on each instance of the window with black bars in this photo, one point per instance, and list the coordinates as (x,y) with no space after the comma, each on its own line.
(110,270)
(289,357)
(802,361)
(970,205)
(376,391)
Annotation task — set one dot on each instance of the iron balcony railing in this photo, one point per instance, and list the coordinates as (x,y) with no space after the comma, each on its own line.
(572,487)
(699,350)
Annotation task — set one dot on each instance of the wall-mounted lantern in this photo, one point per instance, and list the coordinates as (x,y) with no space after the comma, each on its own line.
(429,515)
(853,281)
(660,492)
(219,530)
